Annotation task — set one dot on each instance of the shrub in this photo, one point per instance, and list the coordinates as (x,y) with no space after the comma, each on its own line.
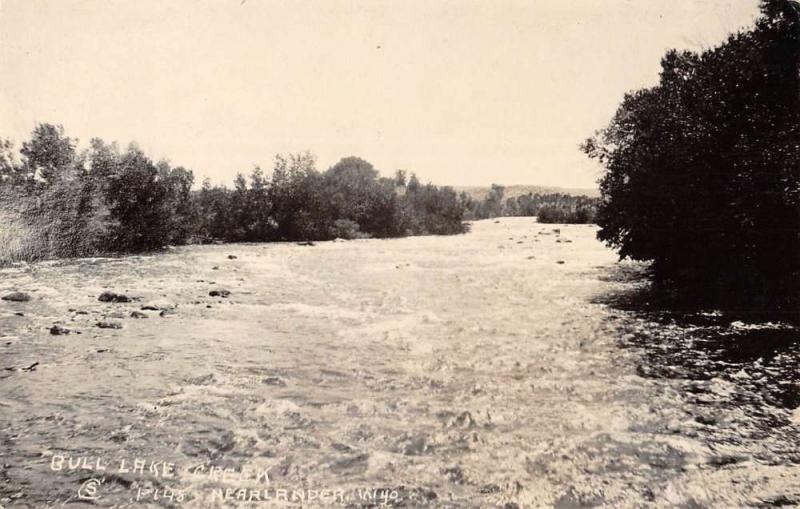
(347,229)
(551,214)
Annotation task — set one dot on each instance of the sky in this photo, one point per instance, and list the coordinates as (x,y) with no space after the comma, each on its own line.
(462,92)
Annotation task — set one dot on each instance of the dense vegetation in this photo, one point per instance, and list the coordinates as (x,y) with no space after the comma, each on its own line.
(548,208)
(58,201)
(703,170)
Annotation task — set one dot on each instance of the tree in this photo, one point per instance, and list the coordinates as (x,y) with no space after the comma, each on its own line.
(494,201)
(358,195)
(703,170)
(298,201)
(400,178)
(214,206)
(431,210)
(261,226)
(178,205)
(143,200)
(49,153)
(9,168)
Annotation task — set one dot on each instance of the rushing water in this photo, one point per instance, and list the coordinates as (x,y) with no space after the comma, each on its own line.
(468,371)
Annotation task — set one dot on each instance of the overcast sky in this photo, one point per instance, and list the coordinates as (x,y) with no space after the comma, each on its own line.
(462,92)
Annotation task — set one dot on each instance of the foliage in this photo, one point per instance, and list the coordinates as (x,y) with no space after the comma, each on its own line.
(548,208)
(551,214)
(703,170)
(146,202)
(347,229)
(430,210)
(57,202)
(63,203)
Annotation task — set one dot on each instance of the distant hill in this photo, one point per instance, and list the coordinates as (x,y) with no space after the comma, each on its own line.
(480,192)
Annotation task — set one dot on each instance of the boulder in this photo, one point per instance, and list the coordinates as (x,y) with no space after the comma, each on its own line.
(109,325)
(158,305)
(138,314)
(113,297)
(58,330)
(219,292)
(17,297)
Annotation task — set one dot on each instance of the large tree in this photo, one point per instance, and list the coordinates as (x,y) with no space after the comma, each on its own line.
(703,170)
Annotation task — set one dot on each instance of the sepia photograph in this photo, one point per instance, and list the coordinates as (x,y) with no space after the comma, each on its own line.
(409,254)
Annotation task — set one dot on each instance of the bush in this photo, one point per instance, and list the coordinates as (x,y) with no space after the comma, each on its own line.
(346,229)
(551,214)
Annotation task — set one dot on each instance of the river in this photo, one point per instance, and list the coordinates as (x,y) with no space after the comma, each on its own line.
(513,366)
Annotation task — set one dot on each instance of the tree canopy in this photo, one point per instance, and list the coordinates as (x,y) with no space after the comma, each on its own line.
(703,169)
(65,202)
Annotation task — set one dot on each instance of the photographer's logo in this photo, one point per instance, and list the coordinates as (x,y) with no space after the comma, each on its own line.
(89,489)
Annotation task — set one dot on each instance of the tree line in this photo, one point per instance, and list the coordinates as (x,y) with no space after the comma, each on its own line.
(547,207)
(703,170)
(59,201)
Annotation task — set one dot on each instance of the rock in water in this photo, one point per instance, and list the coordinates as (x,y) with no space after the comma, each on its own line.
(113,297)
(58,330)
(158,305)
(32,367)
(109,325)
(273,380)
(17,297)
(220,292)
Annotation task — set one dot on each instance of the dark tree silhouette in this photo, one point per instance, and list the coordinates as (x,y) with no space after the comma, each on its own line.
(703,170)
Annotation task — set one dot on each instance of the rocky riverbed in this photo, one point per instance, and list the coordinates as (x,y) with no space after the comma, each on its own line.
(514,366)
